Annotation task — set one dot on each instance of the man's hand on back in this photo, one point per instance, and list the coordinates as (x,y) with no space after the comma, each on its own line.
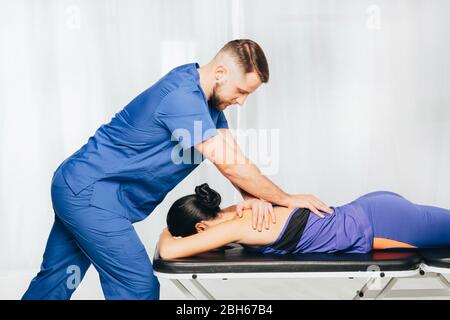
(262,212)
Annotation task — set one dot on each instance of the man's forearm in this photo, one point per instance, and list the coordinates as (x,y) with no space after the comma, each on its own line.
(245,194)
(223,151)
(249,178)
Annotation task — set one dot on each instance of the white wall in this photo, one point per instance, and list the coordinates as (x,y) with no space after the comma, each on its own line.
(359,97)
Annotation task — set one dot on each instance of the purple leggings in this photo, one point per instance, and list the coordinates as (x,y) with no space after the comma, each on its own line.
(396,218)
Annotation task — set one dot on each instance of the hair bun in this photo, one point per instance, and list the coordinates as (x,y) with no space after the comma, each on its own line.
(207,197)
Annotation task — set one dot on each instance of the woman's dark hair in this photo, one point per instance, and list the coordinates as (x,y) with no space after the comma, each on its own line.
(187,211)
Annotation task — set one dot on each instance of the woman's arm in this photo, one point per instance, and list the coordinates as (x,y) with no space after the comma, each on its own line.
(212,238)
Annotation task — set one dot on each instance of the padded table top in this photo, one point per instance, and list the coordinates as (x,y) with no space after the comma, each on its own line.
(234,259)
(436,257)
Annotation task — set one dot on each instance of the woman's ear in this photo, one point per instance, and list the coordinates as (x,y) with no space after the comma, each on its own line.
(200,226)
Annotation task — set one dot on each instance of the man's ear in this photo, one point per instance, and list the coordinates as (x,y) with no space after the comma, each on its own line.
(220,72)
(200,226)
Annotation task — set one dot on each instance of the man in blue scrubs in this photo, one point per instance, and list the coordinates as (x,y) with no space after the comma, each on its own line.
(126,169)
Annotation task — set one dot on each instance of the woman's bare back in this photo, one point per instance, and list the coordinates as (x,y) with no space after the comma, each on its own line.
(255,238)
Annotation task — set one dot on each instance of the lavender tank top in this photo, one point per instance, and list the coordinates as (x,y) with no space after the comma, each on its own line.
(348,229)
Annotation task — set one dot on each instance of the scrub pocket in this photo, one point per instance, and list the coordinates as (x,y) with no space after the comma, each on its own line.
(64,198)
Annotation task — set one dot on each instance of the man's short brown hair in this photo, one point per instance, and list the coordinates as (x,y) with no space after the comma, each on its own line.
(250,57)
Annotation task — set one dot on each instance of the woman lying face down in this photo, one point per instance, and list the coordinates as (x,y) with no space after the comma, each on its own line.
(204,226)
(378,220)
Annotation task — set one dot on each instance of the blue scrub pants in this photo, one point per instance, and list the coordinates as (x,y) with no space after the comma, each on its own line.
(396,218)
(83,234)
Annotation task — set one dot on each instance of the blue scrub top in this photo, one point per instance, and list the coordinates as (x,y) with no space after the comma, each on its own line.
(144,152)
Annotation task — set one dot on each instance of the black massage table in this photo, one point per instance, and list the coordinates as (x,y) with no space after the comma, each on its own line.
(232,261)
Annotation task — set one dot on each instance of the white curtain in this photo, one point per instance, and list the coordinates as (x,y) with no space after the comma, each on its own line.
(358,98)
